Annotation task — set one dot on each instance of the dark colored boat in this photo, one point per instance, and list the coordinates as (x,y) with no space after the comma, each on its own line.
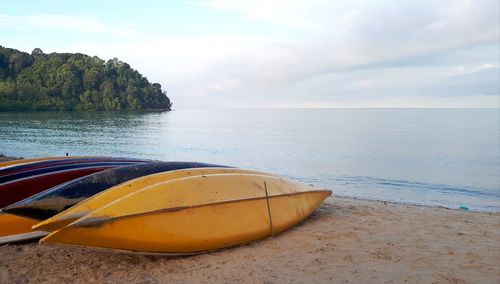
(62,161)
(58,168)
(57,199)
(18,189)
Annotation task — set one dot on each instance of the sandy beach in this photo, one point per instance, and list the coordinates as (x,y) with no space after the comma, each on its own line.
(344,241)
(288,141)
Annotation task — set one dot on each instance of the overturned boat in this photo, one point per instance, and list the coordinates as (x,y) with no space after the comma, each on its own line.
(194,214)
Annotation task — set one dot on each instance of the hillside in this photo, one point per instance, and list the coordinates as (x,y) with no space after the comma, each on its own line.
(67,81)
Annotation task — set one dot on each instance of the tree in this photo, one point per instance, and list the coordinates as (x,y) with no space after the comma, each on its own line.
(37,52)
(66,81)
(19,61)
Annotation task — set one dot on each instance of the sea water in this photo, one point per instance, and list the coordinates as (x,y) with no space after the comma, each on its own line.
(441,157)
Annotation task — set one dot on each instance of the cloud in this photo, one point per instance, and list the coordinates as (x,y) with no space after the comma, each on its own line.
(86,24)
(342,53)
(293,13)
(361,49)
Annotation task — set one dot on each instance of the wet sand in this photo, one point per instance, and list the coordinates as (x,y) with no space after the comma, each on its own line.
(344,241)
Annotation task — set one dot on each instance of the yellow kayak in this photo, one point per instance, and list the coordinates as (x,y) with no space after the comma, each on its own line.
(114,193)
(194,214)
(13,225)
(14,229)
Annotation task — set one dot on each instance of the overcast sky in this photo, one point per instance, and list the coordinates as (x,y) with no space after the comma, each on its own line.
(285,53)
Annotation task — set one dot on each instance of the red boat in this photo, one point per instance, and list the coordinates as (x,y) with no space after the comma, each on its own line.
(26,186)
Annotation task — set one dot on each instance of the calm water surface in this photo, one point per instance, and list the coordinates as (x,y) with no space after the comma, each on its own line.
(447,157)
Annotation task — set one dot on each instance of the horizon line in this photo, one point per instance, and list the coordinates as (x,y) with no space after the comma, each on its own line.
(402,107)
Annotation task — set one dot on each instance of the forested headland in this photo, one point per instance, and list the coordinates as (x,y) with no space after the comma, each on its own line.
(74,81)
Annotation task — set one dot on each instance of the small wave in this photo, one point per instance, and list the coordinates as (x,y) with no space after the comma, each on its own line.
(409,192)
(418,186)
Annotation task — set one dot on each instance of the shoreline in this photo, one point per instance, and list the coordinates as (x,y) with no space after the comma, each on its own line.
(345,240)
(414,204)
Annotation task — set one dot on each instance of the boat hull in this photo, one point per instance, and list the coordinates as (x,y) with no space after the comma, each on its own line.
(17,190)
(38,163)
(114,193)
(59,168)
(194,215)
(11,163)
(44,166)
(12,224)
(59,198)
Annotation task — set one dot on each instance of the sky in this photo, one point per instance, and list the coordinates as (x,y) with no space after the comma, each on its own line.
(281,54)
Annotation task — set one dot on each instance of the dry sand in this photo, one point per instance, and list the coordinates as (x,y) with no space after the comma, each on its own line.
(344,241)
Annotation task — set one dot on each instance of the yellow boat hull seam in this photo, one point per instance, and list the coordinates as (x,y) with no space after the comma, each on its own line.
(114,193)
(195,214)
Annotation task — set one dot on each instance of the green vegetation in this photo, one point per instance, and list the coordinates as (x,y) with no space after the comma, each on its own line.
(66,81)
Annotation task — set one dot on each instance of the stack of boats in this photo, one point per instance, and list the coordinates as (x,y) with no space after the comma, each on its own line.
(146,206)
